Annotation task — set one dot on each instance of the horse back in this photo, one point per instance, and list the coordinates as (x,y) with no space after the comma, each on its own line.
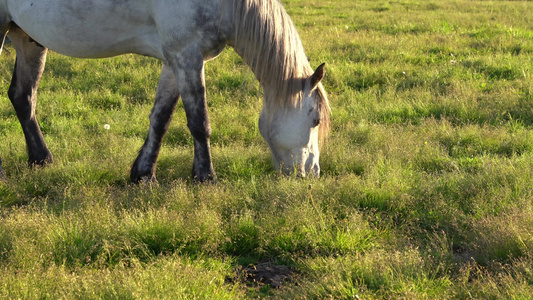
(103,28)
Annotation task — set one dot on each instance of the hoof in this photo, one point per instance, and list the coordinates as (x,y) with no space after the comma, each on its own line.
(143,179)
(41,162)
(203,173)
(151,181)
(207,178)
(140,174)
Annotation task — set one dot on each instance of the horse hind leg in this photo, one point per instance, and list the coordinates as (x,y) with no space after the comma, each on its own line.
(167,96)
(29,66)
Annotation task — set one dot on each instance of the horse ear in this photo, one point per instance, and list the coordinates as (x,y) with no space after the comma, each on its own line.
(317,76)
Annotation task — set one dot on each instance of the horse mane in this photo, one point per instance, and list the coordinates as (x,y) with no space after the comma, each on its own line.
(267,40)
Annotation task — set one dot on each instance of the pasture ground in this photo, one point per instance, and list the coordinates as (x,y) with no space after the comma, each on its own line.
(427,182)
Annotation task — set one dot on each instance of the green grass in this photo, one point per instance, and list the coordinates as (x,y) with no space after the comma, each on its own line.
(427,179)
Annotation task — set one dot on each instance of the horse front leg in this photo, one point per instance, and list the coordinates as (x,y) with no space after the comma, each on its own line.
(167,95)
(189,72)
(29,66)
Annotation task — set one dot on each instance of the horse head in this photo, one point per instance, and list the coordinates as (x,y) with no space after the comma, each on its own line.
(294,133)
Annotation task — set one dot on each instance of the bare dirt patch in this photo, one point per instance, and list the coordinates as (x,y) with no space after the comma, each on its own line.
(265,274)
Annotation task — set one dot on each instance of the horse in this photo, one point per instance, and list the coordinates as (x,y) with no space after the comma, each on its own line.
(183,35)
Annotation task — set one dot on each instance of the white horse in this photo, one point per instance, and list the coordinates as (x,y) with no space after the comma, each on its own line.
(182,34)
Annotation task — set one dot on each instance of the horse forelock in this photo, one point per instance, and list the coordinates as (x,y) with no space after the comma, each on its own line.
(267,40)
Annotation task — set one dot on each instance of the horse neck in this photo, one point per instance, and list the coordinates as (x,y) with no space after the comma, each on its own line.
(268,42)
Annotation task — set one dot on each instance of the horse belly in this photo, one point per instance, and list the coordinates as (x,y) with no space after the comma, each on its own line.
(98,29)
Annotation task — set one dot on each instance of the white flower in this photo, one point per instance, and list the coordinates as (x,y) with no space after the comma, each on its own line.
(107,126)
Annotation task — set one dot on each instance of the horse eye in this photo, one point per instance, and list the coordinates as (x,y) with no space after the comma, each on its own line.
(316,122)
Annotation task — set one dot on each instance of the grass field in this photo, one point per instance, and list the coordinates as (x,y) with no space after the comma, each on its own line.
(427,178)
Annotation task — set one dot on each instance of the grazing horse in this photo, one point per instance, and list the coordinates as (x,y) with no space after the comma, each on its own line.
(183,35)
